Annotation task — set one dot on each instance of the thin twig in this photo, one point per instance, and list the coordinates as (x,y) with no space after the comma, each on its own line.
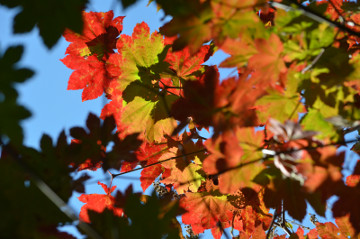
(275,216)
(316,59)
(159,162)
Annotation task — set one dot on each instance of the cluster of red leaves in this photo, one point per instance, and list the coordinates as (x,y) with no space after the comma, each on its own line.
(234,177)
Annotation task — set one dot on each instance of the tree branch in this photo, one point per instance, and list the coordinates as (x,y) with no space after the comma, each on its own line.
(315,16)
(159,162)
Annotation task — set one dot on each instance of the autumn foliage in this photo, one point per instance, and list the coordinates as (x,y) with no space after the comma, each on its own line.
(275,125)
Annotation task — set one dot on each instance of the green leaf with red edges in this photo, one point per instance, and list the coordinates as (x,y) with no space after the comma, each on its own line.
(152,117)
(186,168)
(184,176)
(280,105)
(139,50)
(98,203)
(236,157)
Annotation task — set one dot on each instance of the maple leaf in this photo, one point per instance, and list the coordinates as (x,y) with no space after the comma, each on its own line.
(154,118)
(288,101)
(232,17)
(186,168)
(184,176)
(345,227)
(268,62)
(192,25)
(139,50)
(327,230)
(90,75)
(315,121)
(183,63)
(235,156)
(236,98)
(145,216)
(240,50)
(324,174)
(90,145)
(115,107)
(288,190)
(98,203)
(98,36)
(205,210)
(223,106)
(88,52)
(199,99)
(346,206)
(149,154)
(132,67)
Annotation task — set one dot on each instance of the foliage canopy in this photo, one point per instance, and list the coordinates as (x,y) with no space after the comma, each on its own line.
(276,126)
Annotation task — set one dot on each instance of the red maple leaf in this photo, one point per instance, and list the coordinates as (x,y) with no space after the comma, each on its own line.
(99,35)
(205,210)
(98,203)
(87,53)
(115,107)
(223,106)
(148,154)
(183,63)
(354,179)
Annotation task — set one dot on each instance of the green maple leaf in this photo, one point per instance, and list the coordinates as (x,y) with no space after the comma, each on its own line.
(281,105)
(140,50)
(184,176)
(314,120)
(151,117)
